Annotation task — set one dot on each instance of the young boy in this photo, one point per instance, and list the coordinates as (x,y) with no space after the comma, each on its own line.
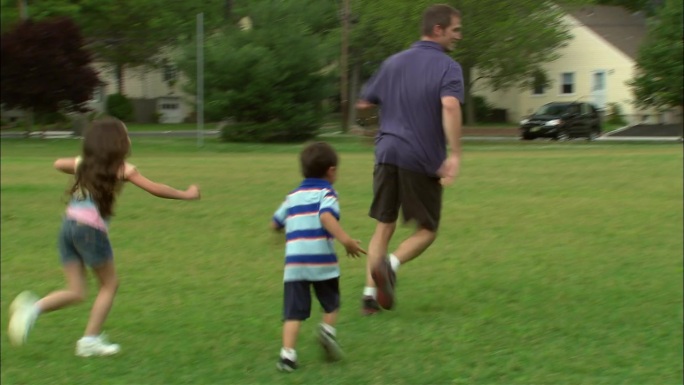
(310,216)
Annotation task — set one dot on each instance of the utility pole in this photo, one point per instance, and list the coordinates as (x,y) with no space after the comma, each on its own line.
(23,9)
(227,10)
(344,67)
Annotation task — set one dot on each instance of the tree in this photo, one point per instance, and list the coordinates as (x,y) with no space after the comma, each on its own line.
(45,67)
(658,82)
(127,32)
(507,42)
(268,79)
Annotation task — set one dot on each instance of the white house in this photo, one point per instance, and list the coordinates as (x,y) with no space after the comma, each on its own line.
(594,67)
(155,92)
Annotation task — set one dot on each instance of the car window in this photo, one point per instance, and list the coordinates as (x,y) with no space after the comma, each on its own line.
(550,109)
(585,109)
(573,109)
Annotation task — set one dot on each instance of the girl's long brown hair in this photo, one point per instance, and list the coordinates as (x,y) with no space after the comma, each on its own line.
(105,148)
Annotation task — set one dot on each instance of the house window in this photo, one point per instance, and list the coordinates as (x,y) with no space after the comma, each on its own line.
(538,89)
(567,83)
(599,81)
(170,73)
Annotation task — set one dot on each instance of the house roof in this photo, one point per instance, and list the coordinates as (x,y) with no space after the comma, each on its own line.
(617,25)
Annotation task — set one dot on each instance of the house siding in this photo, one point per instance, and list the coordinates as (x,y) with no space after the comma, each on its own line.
(586,53)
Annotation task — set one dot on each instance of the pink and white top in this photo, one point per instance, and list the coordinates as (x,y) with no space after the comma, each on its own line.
(83,209)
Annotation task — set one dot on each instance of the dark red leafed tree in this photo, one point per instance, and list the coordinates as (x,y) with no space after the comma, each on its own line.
(46,68)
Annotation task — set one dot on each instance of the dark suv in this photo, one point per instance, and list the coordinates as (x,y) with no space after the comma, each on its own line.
(562,121)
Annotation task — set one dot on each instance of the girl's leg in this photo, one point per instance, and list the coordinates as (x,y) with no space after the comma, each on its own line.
(74,272)
(26,307)
(106,275)
(93,343)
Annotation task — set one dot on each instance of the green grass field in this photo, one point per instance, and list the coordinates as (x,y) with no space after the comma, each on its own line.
(556,263)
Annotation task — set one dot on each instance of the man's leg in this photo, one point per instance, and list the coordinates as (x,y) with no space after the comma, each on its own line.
(377,252)
(377,248)
(385,210)
(422,204)
(413,246)
(421,201)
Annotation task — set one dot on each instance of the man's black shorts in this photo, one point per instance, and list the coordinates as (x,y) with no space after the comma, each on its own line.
(419,196)
(297,298)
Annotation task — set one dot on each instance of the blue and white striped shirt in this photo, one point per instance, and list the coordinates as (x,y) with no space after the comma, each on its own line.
(309,248)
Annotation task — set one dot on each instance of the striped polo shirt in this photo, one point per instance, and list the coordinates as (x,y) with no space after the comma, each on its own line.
(309,248)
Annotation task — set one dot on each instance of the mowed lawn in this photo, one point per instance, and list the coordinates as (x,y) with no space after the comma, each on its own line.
(555,264)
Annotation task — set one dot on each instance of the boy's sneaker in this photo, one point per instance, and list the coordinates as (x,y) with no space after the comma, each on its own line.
(96,346)
(385,279)
(333,351)
(22,316)
(285,365)
(369,305)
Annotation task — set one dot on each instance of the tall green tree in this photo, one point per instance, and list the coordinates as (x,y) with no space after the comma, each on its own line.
(507,42)
(658,82)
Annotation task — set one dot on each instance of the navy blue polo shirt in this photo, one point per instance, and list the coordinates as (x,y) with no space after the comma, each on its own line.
(408,89)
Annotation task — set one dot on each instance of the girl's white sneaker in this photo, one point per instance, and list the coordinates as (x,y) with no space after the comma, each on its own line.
(22,316)
(96,346)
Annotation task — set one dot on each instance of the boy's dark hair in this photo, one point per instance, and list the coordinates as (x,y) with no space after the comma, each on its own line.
(316,159)
(438,14)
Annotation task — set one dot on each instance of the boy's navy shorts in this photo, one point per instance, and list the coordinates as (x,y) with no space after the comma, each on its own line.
(297,298)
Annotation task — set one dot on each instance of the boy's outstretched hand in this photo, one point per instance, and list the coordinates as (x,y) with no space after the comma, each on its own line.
(333,227)
(353,248)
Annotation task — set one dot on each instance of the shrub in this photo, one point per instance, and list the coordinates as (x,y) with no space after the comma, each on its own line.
(615,114)
(270,83)
(482,109)
(269,132)
(50,118)
(120,107)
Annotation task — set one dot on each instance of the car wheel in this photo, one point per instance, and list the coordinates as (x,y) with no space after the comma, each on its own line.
(562,136)
(526,137)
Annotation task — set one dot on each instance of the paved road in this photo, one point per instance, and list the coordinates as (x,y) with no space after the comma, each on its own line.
(68,134)
(486,134)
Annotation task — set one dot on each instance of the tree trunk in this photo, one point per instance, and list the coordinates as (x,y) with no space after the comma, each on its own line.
(227,10)
(353,91)
(79,124)
(120,78)
(29,121)
(344,67)
(469,104)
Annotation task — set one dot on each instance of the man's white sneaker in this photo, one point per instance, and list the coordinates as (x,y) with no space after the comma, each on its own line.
(22,316)
(96,346)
